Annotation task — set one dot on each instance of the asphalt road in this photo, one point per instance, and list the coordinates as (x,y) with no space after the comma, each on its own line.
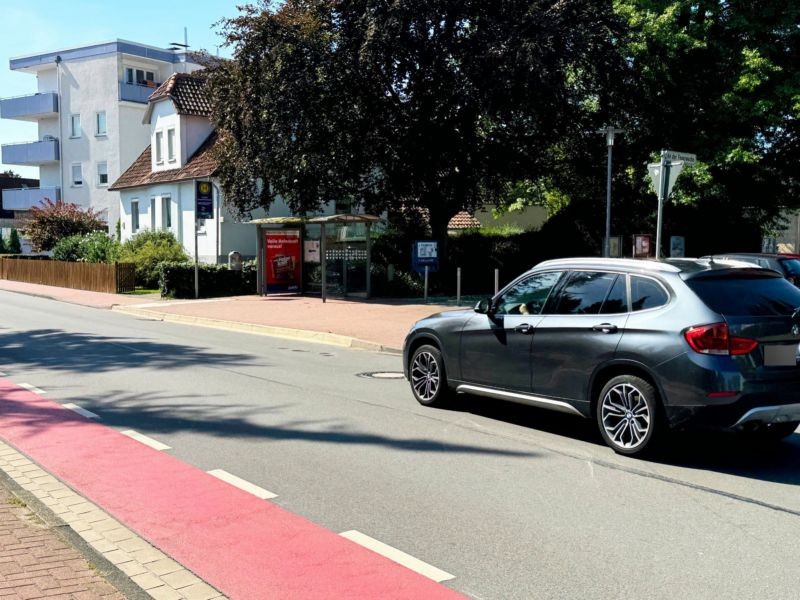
(513,501)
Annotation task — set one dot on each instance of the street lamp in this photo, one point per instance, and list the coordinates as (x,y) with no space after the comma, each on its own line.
(609,132)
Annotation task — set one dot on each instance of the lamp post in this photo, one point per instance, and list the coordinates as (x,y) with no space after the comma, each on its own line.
(609,132)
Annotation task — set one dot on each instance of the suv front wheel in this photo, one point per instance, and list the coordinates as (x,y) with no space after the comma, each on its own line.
(627,414)
(427,376)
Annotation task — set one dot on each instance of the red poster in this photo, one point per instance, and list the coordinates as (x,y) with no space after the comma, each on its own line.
(283,261)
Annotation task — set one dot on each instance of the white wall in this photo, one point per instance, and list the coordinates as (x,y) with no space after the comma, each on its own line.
(194,131)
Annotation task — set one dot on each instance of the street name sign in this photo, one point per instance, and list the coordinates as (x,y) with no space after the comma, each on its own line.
(688,159)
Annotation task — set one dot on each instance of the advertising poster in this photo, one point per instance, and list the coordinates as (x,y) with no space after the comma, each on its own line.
(311,251)
(642,245)
(283,261)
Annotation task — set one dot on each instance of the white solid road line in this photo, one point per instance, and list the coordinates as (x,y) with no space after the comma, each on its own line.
(31,388)
(240,483)
(81,411)
(398,556)
(147,441)
(2,374)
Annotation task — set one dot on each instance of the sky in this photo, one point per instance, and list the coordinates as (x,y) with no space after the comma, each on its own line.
(36,26)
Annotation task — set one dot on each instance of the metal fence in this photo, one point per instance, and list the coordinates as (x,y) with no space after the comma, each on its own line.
(112,279)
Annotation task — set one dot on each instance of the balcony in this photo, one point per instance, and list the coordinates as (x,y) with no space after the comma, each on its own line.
(31,107)
(136,92)
(31,153)
(27,198)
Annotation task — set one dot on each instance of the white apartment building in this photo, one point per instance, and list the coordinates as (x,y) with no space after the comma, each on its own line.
(89,106)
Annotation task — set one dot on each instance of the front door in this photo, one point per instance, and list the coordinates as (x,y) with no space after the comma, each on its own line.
(495,348)
(585,327)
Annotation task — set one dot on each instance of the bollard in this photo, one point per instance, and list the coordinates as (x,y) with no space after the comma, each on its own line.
(425,297)
(458,286)
(496,281)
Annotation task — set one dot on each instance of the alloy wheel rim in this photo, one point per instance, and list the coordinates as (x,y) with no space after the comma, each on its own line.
(625,416)
(425,376)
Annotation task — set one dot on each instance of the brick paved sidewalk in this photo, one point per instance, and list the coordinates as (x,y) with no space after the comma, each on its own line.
(36,562)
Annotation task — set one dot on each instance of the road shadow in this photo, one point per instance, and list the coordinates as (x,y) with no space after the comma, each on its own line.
(726,452)
(170,413)
(64,351)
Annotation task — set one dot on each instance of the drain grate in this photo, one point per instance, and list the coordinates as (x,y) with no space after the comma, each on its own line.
(382,375)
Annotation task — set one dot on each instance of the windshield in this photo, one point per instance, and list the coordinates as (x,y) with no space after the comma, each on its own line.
(747,296)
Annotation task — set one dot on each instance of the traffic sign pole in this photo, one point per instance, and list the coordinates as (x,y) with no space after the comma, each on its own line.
(662,185)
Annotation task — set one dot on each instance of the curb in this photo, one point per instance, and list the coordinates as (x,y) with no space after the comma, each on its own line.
(304,335)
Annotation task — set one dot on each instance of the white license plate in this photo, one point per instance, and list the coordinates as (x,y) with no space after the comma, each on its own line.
(780,355)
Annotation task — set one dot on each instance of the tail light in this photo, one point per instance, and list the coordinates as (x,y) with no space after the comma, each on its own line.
(715,339)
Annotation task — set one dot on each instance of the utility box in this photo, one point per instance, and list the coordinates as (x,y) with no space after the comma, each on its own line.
(234,261)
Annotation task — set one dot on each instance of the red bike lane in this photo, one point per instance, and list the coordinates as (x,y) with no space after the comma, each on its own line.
(246,547)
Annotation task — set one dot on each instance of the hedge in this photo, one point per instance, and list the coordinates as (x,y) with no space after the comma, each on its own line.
(176,280)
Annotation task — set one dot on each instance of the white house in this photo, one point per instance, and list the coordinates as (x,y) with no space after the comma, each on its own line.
(157,192)
(88,108)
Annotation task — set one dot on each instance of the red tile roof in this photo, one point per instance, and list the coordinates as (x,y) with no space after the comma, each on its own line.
(187,93)
(199,166)
(463,220)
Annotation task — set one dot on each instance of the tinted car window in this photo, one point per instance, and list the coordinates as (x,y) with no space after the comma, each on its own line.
(617,300)
(646,293)
(747,296)
(584,293)
(528,296)
(791,266)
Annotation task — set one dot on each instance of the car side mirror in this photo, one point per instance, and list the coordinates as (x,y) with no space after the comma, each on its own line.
(484,307)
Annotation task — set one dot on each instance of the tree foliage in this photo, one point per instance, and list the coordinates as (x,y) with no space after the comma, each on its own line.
(14,246)
(53,221)
(429,103)
(94,247)
(148,250)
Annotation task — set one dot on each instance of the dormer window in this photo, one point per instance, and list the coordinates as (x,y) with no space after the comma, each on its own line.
(170,145)
(158,143)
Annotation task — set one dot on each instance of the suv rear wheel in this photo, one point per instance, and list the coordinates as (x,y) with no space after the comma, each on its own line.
(627,414)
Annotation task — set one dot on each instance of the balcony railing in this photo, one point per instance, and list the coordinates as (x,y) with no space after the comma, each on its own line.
(136,92)
(27,198)
(31,153)
(31,107)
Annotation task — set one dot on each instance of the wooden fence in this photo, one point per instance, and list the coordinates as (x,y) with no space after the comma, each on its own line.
(95,277)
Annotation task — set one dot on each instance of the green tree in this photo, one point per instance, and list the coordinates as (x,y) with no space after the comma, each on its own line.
(3,248)
(11,174)
(53,221)
(426,103)
(14,245)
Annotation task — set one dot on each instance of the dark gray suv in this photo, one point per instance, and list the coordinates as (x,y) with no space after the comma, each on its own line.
(639,346)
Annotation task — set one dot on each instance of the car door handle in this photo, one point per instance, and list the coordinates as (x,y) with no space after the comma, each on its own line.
(524,328)
(606,328)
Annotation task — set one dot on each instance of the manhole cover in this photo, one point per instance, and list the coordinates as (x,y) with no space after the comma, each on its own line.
(383,375)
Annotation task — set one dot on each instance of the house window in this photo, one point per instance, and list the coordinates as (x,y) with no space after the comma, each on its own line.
(140,76)
(75,126)
(158,143)
(134,216)
(166,212)
(102,174)
(100,123)
(77,175)
(170,145)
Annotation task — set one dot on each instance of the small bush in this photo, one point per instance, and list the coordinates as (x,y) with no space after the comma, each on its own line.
(147,250)
(95,247)
(177,280)
(54,221)
(68,249)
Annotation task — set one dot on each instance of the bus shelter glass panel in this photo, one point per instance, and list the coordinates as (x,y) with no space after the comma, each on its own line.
(346,258)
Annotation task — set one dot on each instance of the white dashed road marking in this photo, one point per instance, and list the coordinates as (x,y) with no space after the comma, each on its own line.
(398,556)
(81,411)
(240,483)
(2,374)
(147,441)
(31,388)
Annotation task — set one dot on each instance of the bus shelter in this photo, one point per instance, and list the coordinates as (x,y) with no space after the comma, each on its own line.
(329,256)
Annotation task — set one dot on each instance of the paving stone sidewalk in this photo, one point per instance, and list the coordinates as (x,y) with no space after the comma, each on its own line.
(36,562)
